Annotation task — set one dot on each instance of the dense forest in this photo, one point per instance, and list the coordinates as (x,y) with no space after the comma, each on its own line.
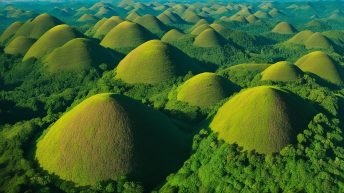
(169,97)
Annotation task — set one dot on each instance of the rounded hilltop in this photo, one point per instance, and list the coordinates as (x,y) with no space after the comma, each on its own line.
(108,136)
(19,46)
(282,71)
(263,118)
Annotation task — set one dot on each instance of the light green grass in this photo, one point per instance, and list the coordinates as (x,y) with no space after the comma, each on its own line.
(209,38)
(282,71)
(126,35)
(263,118)
(316,41)
(88,18)
(172,35)
(154,62)
(77,55)
(284,28)
(19,46)
(199,29)
(107,26)
(10,31)
(322,65)
(301,37)
(205,89)
(151,23)
(54,38)
(108,136)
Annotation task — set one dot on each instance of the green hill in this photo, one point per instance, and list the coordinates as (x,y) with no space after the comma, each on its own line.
(168,17)
(98,24)
(132,16)
(301,37)
(191,17)
(54,38)
(77,55)
(19,45)
(282,71)
(317,40)
(154,62)
(38,26)
(126,35)
(172,35)
(219,28)
(88,18)
(10,31)
(199,23)
(107,26)
(284,28)
(209,38)
(205,89)
(322,65)
(152,24)
(263,118)
(108,136)
(199,29)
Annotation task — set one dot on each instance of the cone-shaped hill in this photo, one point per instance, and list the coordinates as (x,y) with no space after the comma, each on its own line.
(108,136)
(98,24)
(200,29)
(132,16)
(219,28)
(317,40)
(108,25)
(322,65)
(263,118)
(37,27)
(284,28)
(152,24)
(168,17)
(209,38)
(10,31)
(88,18)
(282,71)
(199,23)
(54,38)
(154,62)
(19,45)
(172,35)
(77,55)
(205,89)
(126,35)
(301,37)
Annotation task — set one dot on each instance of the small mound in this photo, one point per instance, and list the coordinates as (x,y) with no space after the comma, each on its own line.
(105,12)
(238,18)
(252,19)
(317,40)
(19,46)
(107,26)
(205,89)
(154,62)
(108,136)
(54,38)
(264,119)
(10,31)
(132,16)
(209,38)
(168,17)
(191,17)
(261,14)
(37,27)
(172,35)
(126,35)
(284,28)
(88,18)
(152,24)
(301,37)
(199,23)
(98,24)
(77,55)
(320,64)
(200,29)
(282,71)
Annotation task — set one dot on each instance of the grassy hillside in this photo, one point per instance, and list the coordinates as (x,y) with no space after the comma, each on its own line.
(264,119)
(19,46)
(282,71)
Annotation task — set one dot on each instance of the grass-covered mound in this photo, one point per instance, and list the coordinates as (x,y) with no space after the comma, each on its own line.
(98,24)
(126,35)
(19,45)
(219,28)
(205,89)
(317,40)
(199,29)
(209,38)
(54,38)
(10,31)
(108,25)
(282,71)
(132,16)
(154,62)
(37,27)
(172,35)
(88,18)
(108,136)
(263,118)
(284,28)
(168,18)
(153,24)
(77,55)
(322,65)
(301,37)
(199,23)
